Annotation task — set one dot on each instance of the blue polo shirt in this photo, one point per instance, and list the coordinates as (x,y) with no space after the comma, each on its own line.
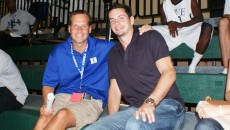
(62,72)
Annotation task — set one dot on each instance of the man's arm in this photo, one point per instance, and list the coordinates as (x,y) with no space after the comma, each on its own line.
(168,77)
(35,26)
(114,97)
(173,25)
(45,91)
(163,16)
(34,29)
(198,17)
(3,27)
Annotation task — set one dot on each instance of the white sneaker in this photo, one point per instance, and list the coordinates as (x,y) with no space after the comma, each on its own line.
(225,71)
(192,70)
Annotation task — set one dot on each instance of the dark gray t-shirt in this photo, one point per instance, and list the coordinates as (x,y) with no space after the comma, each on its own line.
(135,70)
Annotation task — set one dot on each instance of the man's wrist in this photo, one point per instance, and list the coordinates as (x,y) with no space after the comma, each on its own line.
(150,101)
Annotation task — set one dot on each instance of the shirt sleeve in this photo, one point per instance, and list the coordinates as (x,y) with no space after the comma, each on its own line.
(158,46)
(3,58)
(111,66)
(50,77)
(3,24)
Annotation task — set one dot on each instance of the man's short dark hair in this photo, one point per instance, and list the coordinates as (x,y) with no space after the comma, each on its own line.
(123,6)
(79,12)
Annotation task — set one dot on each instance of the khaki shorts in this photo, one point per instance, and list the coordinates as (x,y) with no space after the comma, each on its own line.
(85,112)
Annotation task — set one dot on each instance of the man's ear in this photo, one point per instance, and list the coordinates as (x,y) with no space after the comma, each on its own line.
(69,28)
(132,20)
(90,28)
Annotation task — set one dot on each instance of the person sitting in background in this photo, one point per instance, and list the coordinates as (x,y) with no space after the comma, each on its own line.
(210,111)
(224,36)
(15,26)
(13,91)
(182,22)
(80,67)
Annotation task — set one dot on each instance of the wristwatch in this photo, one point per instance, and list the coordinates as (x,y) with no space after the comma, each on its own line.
(151,101)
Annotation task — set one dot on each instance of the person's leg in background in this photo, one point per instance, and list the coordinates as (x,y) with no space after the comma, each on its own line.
(224,38)
(116,121)
(208,124)
(202,45)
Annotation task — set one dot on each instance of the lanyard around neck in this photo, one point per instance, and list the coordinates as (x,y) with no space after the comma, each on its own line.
(81,71)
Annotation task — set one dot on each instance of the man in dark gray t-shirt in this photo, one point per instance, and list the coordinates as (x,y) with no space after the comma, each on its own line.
(140,70)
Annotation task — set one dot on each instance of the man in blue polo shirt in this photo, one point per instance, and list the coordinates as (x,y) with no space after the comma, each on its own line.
(79,68)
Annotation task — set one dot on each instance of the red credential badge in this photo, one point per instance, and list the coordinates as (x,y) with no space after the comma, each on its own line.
(76,97)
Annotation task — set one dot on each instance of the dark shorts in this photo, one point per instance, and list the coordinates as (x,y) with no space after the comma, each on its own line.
(8,100)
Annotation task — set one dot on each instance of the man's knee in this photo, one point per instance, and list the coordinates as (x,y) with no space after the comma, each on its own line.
(134,124)
(42,122)
(206,27)
(224,22)
(63,113)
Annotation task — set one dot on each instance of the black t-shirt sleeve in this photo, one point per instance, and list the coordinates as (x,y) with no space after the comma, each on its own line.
(111,66)
(157,45)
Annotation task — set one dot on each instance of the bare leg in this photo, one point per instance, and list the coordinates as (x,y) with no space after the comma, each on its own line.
(63,119)
(42,122)
(224,37)
(205,37)
(202,45)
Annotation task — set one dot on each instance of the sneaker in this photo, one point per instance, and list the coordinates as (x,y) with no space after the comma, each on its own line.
(191,70)
(225,71)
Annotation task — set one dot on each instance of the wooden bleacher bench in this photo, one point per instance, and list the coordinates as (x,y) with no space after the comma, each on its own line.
(192,92)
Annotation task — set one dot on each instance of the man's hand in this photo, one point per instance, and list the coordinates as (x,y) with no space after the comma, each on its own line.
(7,31)
(146,111)
(172,26)
(144,28)
(45,112)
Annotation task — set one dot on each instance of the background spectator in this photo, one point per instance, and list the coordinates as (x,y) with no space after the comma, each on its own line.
(15,26)
(13,91)
(182,22)
(208,111)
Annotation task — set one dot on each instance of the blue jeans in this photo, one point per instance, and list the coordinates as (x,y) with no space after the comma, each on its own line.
(169,115)
(208,124)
